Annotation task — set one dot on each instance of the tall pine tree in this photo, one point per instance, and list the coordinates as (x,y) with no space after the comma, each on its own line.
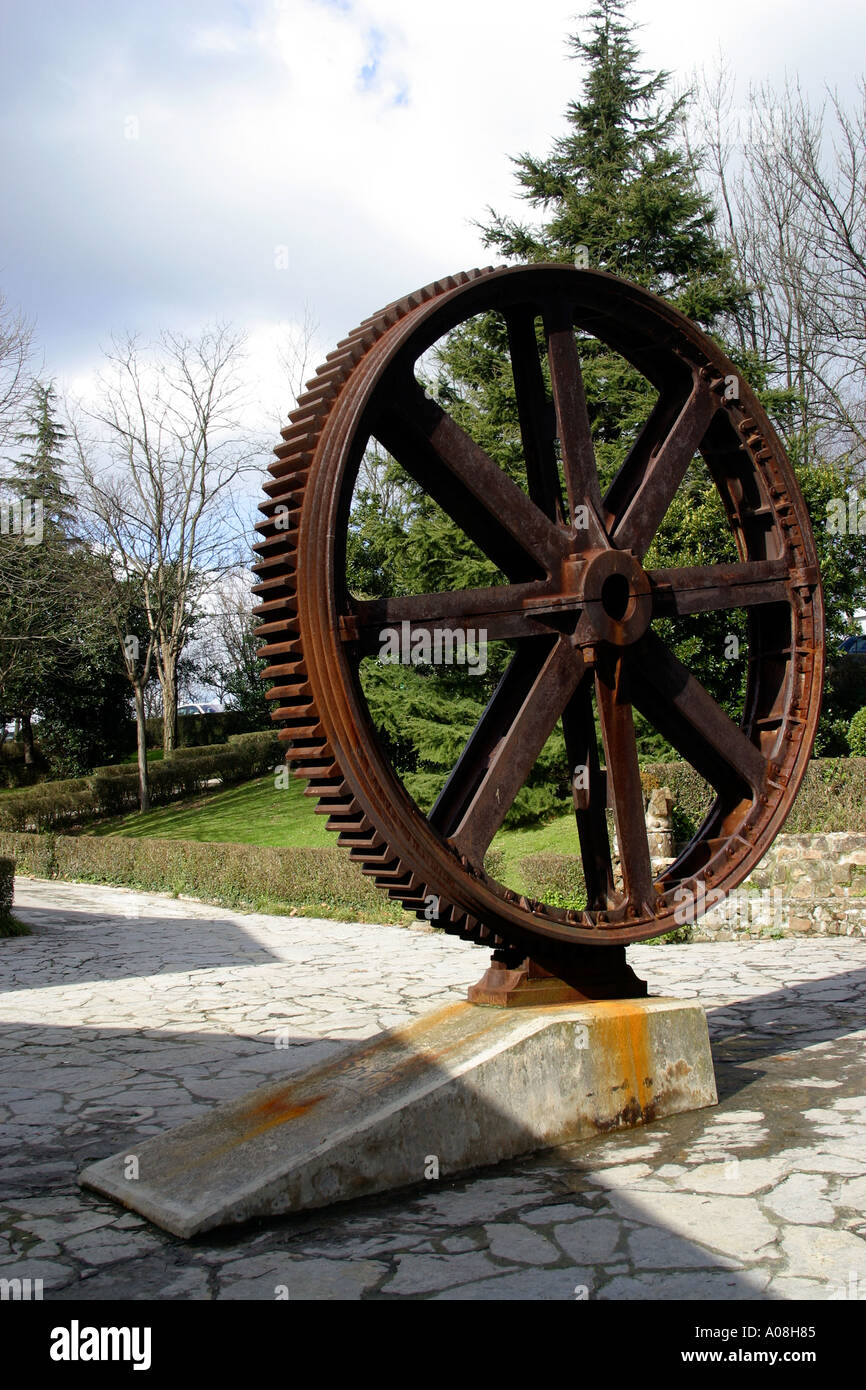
(58,658)
(618,193)
(39,463)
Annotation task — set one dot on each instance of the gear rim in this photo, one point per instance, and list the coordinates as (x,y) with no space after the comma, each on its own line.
(366,802)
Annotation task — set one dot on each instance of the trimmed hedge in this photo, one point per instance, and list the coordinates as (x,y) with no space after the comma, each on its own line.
(113,791)
(14,772)
(258,876)
(857,733)
(832,797)
(554,878)
(7,881)
(199,730)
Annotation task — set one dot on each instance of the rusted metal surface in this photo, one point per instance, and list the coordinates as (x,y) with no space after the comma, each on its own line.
(577,604)
(526,985)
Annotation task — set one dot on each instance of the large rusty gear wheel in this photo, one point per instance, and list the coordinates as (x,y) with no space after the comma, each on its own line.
(577,605)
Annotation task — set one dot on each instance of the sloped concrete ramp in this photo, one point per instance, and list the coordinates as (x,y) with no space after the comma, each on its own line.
(457,1089)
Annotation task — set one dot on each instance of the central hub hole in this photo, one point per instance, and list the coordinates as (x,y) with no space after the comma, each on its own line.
(615,596)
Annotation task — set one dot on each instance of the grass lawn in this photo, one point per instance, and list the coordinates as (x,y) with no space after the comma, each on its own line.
(558,835)
(255,813)
(258,813)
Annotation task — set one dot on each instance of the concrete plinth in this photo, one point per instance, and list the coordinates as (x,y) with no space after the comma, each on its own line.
(458,1089)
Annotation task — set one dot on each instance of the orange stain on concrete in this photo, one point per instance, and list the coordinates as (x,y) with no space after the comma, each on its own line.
(276,1112)
(623,1048)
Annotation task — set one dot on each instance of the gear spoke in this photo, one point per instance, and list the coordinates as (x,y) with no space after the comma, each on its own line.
(537,426)
(711,588)
(624,784)
(686,714)
(645,487)
(500,611)
(457,473)
(575,436)
(589,791)
(504,745)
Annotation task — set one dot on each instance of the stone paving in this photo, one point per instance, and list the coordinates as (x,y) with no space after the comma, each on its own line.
(125,1014)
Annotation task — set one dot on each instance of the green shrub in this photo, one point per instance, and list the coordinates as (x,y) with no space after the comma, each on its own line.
(692,795)
(113,790)
(200,729)
(832,796)
(33,854)
(553,878)
(7,879)
(857,734)
(494,863)
(14,772)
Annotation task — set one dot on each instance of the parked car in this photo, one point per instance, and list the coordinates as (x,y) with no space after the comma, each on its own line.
(854,646)
(199,709)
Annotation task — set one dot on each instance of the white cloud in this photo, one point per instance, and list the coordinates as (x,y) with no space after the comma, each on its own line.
(361,136)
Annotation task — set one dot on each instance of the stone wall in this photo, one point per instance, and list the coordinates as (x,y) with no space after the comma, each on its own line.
(806,885)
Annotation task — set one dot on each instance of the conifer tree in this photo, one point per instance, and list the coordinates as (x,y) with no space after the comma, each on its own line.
(39,463)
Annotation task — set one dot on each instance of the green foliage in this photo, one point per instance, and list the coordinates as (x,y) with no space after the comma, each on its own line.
(198,730)
(241,680)
(832,796)
(7,880)
(9,925)
(14,771)
(263,878)
(556,879)
(85,720)
(618,183)
(844,695)
(113,790)
(425,716)
(857,734)
(38,470)
(58,658)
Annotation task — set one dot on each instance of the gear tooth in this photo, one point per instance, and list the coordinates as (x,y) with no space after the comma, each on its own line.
(353,822)
(294,691)
(299,728)
(294,455)
(289,671)
(277,641)
(302,733)
(276,606)
(357,839)
(378,852)
(280,584)
(306,750)
(378,867)
(277,549)
(329,788)
(272,552)
(308,768)
(334,808)
(408,889)
(285,495)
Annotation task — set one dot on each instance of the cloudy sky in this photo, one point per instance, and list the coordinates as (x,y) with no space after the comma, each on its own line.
(170,162)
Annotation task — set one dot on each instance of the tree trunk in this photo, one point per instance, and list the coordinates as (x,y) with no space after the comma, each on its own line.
(27,740)
(168,685)
(143,784)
